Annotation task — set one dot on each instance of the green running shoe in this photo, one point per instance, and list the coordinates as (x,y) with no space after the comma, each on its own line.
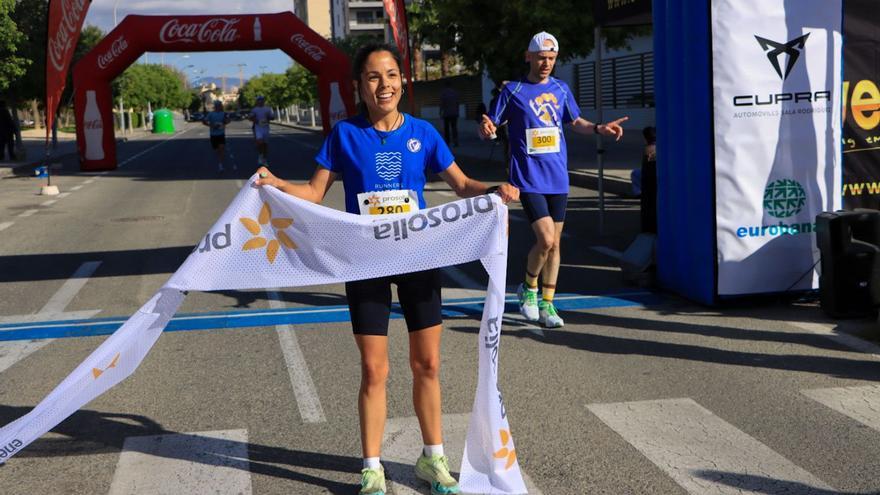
(528,302)
(548,315)
(435,470)
(372,482)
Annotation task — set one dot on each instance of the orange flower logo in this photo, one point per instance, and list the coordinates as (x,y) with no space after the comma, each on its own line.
(255,227)
(98,372)
(503,452)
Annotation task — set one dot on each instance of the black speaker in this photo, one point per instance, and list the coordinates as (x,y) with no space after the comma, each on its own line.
(849,246)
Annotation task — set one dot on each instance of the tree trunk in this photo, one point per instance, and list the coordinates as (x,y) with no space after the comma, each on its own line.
(418,61)
(445,61)
(35,111)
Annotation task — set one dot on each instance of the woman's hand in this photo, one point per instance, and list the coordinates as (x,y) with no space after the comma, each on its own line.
(508,193)
(267,179)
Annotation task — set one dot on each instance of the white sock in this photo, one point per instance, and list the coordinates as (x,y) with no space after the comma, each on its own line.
(372,463)
(433,450)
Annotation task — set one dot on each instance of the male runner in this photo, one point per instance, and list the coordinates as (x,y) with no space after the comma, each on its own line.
(217,121)
(535,108)
(260,116)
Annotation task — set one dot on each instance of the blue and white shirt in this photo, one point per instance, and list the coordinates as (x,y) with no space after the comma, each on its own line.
(374,161)
(535,114)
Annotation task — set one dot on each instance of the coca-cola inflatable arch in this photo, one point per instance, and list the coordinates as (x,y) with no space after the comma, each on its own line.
(136,34)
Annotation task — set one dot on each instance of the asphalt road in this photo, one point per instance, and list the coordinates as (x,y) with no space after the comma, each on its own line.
(640,393)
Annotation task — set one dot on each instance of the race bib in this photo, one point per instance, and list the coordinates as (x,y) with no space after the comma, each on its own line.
(542,140)
(388,202)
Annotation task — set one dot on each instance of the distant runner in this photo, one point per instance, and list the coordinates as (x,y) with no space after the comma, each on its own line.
(217,121)
(260,116)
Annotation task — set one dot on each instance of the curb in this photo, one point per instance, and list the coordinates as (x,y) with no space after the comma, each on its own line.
(316,130)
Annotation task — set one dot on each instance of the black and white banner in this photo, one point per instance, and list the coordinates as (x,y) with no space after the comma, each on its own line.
(777,68)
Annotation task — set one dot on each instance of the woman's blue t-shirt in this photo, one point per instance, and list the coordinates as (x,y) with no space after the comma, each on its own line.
(355,150)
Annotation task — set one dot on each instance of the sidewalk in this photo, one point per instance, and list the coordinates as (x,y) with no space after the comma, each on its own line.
(34,141)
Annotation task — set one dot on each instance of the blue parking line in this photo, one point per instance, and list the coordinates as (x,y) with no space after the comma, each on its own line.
(471,307)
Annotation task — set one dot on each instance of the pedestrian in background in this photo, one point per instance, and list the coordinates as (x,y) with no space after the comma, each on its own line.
(7,132)
(449,112)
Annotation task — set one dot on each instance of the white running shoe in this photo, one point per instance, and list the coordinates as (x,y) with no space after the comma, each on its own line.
(528,302)
(548,316)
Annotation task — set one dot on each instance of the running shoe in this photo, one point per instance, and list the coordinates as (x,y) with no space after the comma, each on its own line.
(220,167)
(372,482)
(548,316)
(435,470)
(528,302)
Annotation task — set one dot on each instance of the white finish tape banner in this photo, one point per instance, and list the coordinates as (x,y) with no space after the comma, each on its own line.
(777,74)
(266,238)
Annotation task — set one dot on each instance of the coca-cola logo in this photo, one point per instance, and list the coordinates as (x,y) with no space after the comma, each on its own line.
(116,49)
(93,124)
(217,30)
(310,49)
(62,43)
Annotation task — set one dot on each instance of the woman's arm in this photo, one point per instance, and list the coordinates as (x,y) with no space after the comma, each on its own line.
(465,187)
(313,190)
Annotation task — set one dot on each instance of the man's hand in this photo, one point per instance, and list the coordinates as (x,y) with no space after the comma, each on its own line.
(508,193)
(612,128)
(487,128)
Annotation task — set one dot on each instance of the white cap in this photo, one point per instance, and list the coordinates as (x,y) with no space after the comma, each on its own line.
(543,42)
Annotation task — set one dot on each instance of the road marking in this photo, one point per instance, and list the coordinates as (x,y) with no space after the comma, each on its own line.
(403,444)
(845,339)
(63,195)
(6,225)
(13,352)
(151,148)
(49,203)
(27,213)
(202,462)
(76,188)
(607,251)
(703,453)
(303,387)
(89,181)
(71,287)
(859,403)
(448,194)
(470,307)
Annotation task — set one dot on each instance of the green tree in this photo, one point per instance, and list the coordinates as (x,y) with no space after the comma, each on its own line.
(272,86)
(494,35)
(301,85)
(150,83)
(12,65)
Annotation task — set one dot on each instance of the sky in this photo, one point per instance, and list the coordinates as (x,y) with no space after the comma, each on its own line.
(203,64)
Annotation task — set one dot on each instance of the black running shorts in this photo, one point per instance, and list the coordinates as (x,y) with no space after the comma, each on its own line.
(369,302)
(538,206)
(217,141)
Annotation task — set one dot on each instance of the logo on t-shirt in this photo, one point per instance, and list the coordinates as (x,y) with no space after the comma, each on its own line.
(545,106)
(388,164)
(414,145)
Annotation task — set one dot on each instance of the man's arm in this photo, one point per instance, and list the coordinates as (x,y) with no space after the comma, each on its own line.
(581,125)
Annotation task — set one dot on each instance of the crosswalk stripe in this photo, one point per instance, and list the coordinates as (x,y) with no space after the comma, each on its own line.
(303,387)
(403,444)
(859,403)
(703,453)
(201,462)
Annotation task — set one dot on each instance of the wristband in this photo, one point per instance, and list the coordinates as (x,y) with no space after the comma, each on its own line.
(596,127)
(492,189)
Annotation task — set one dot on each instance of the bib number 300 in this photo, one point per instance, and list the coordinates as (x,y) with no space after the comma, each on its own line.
(542,140)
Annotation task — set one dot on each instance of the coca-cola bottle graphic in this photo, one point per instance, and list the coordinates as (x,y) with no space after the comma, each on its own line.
(258,30)
(94,128)
(337,107)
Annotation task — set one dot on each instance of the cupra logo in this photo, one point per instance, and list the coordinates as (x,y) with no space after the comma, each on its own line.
(255,227)
(98,372)
(503,452)
(775,50)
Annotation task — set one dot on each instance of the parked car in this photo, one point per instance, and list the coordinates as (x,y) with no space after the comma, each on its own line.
(197,117)
(23,123)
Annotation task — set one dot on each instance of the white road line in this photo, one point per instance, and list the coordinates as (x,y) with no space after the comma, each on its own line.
(27,213)
(49,203)
(41,317)
(403,444)
(63,195)
(89,181)
(303,387)
(202,462)
(14,351)
(151,148)
(859,403)
(845,339)
(448,194)
(6,225)
(607,251)
(71,287)
(703,453)
(76,188)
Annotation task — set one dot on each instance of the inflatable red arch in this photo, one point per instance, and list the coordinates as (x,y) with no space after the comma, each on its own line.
(137,34)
